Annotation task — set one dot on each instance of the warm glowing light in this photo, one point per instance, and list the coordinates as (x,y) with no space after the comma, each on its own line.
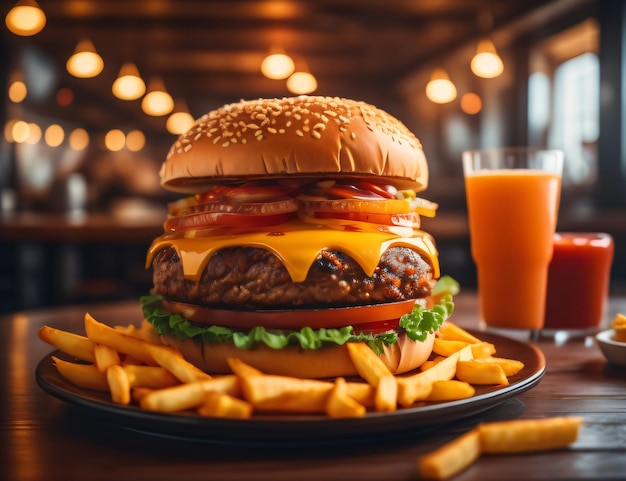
(181,120)
(129,85)
(79,139)
(114,140)
(85,62)
(54,135)
(65,96)
(34,133)
(8,130)
(135,140)
(277,66)
(486,63)
(20,131)
(471,103)
(17,91)
(302,83)
(157,101)
(26,18)
(440,88)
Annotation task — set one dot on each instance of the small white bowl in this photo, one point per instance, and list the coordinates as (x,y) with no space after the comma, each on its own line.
(613,350)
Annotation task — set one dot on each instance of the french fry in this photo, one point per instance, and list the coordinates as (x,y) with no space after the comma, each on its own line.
(431,363)
(285,394)
(522,435)
(371,368)
(452,332)
(102,334)
(417,387)
(83,375)
(174,362)
(242,369)
(483,350)
(481,373)
(105,356)
(340,405)
(189,395)
(145,331)
(451,458)
(386,398)
(526,435)
(118,384)
(510,366)
(153,377)
(79,347)
(362,393)
(138,393)
(446,348)
(450,390)
(221,405)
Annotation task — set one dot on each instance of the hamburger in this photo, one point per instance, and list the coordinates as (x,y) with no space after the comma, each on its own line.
(297,231)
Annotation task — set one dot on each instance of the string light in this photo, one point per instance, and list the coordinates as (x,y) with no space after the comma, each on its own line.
(277,65)
(128,85)
(85,61)
(486,63)
(157,101)
(440,88)
(26,18)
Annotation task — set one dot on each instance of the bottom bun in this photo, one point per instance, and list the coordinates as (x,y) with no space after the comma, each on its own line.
(403,356)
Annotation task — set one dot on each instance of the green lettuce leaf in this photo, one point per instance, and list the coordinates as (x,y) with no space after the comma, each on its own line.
(417,324)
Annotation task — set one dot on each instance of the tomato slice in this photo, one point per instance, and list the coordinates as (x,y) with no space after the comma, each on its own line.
(373,318)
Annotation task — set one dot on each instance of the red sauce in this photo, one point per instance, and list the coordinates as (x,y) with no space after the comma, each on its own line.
(578,280)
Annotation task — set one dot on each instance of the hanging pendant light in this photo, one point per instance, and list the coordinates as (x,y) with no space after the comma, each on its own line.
(85,61)
(157,101)
(277,65)
(128,85)
(180,121)
(440,88)
(26,18)
(486,63)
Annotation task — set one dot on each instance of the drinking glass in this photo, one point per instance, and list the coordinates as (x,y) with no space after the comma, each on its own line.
(513,198)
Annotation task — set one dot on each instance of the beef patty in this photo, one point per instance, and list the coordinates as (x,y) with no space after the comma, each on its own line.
(253,278)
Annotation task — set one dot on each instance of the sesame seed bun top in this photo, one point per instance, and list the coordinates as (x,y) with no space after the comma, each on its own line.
(295,137)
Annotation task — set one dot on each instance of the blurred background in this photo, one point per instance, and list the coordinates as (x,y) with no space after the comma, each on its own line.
(95,94)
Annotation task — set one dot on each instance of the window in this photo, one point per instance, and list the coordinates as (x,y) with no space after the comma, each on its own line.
(564,101)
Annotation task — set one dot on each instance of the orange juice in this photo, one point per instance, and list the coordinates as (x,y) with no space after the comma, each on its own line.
(512,217)
(578,280)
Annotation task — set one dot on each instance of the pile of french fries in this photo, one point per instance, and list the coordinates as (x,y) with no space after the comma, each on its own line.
(619,326)
(135,368)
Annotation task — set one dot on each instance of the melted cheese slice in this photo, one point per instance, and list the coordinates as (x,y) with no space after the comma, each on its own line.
(297,244)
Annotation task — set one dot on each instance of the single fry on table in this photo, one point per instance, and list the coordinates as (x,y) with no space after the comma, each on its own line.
(525,435)
(451,458)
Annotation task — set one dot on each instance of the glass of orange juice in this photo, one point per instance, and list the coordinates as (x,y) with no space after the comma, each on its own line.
(513,198)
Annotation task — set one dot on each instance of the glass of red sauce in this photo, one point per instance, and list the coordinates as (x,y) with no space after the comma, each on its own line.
(578,280)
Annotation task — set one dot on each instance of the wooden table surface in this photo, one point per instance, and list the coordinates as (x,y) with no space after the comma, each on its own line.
(44,438)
